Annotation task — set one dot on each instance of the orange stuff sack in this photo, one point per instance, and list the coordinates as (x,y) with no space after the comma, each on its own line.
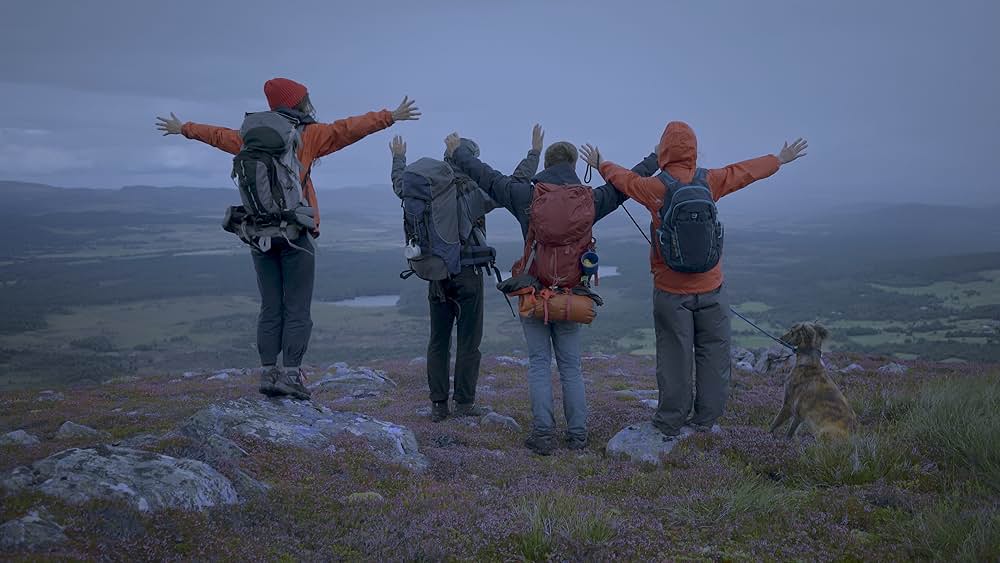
(556,306)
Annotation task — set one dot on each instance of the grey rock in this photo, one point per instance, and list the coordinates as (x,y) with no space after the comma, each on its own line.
(301,424)
(511,361)
(650,403)
(775,361)
(71,431)
(18,438)
(423,411)
(497,419)
(744,367)
(637,394)
(893,369)
(221,376)
(146,481)
(641,443)
(739,355)
(50,396)
(418,361)
(853,368)
(358,383)
(35,531)
(138,441)
(599,356)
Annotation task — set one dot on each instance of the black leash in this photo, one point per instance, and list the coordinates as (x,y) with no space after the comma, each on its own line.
(764,332)
(735,312)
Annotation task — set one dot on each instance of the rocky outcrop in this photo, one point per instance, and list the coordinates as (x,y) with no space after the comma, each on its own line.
(641,443)
(18,438)
(501,421)
(146,481)
(300,424)
(34,531)
(893,369)
(72,431)
(852,368)
(775,361)
(739,355)
(355,382)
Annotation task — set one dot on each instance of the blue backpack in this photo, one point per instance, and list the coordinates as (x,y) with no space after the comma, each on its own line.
(442,222)
(690,235)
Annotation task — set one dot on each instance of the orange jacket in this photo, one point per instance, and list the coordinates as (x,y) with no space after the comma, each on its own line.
(318,140)
(677,154)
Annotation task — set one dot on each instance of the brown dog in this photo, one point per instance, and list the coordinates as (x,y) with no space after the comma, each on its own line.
(810,394)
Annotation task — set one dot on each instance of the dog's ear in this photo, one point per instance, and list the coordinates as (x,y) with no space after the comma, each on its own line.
(821,331)
(794,335)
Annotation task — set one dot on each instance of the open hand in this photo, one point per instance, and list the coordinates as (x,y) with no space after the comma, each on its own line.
(398,146)
(591,155)
(170,126)
(451,143)
(537,138)
(790,153)
(406,111)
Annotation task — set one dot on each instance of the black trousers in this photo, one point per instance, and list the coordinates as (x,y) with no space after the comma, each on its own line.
(285,278)
(455,301)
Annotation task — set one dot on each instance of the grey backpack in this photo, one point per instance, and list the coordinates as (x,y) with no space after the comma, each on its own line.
(267,172)
(690,236)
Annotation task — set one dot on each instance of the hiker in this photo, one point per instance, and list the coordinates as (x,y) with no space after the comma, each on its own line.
(690,306)
(578,207)
(458,299)
(282,146)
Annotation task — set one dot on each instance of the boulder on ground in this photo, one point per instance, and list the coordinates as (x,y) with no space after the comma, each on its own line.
(512,361)
(300,424)
(18,438)
(146,481)
(358,382)
(50,396)
(71,431)
(744,367)
(497,419)
(738,355)
(775,361)
(853,368)
(641,443)
(893,369)
(34,531)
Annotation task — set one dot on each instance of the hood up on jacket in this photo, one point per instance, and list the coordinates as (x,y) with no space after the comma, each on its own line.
(678,151)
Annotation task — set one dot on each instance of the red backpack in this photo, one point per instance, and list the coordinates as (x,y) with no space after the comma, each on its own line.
(559,232)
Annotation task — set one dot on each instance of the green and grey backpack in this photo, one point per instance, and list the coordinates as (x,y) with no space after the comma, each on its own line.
(267,172)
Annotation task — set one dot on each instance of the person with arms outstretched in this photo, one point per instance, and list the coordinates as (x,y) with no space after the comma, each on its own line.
(690,306)
(285,265)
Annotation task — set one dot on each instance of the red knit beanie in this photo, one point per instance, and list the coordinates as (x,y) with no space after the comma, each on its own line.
(284,93)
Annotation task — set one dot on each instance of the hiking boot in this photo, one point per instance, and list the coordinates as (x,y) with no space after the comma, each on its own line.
(669,434)
(268,377)
(576,442)
(289,382)
(439,411)
(469,409)
(541,444)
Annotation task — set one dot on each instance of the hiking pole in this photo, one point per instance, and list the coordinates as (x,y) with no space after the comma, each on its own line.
(735,312)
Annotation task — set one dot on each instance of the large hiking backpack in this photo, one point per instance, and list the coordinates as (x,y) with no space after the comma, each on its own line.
(267,172)
(559,233)
(690,236)
(442,222)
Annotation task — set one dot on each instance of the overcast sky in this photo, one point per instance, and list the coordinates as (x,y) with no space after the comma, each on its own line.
(898,99)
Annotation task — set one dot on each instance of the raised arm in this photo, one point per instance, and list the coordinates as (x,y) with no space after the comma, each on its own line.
(219,137)
(331,137)
(725,181)
(398,149)
(629,182)
(507,191)
(527,168)
(607,198)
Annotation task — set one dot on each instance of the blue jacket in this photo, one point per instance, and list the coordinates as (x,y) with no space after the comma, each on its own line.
(515,194)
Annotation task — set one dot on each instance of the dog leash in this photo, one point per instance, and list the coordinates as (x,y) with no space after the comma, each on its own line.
(735,312)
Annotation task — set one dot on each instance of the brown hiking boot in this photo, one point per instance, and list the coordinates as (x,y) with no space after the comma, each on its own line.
(439,411)
(268,377)
(541,444)
(289,382)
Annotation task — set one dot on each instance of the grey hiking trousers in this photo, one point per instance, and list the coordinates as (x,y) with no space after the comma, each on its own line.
(691,329)
(285,278)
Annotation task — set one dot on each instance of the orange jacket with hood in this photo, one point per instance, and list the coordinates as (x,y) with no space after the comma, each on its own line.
(678,154)
(318,140)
